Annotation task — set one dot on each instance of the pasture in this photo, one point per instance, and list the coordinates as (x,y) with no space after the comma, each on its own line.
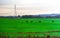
(42,25)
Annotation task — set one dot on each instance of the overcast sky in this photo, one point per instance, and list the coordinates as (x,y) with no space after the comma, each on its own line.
(48,2)
(47,6)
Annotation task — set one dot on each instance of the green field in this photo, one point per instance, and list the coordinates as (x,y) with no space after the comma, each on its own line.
(30,25)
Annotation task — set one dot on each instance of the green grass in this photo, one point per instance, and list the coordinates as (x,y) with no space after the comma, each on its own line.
(29,24)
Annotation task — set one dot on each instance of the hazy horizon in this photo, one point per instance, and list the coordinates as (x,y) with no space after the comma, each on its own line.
(29,7)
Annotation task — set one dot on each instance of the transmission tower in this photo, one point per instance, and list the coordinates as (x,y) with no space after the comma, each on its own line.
(15,10)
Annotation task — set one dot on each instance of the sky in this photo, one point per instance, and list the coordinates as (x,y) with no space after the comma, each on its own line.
(34,6)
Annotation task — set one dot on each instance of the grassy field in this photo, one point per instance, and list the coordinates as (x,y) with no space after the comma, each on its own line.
(30,25)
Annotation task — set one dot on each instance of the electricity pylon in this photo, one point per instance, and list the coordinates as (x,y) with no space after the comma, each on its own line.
(15,10)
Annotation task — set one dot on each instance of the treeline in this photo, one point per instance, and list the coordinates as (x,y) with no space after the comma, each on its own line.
(32,16)
(40,16)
